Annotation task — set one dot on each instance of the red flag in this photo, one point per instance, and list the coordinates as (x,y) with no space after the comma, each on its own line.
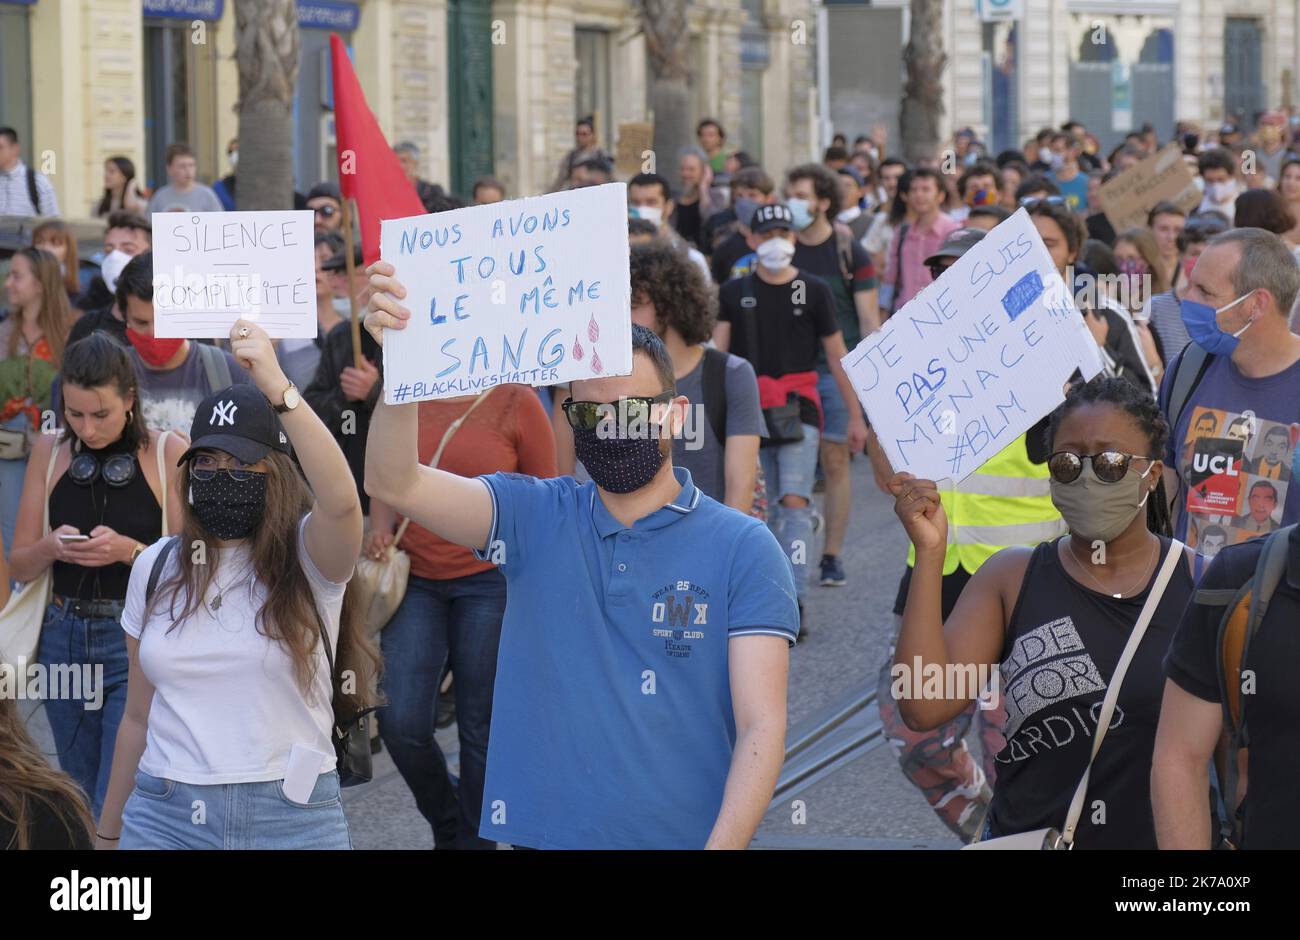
(369,171)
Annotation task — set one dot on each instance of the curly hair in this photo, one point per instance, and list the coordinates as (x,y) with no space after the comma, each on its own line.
(1142,408)
(667,278)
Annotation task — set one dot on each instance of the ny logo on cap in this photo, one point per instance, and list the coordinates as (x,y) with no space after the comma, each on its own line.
(223,412)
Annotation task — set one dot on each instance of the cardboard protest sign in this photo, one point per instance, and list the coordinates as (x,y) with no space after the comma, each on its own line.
(533,291)
(1161,177)
(212,268)
(634,139)
(975,359)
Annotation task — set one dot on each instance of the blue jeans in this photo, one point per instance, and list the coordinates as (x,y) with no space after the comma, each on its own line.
(11,484)
(789,469)
(835,416)
(85,728)
(166,814)
(454,623)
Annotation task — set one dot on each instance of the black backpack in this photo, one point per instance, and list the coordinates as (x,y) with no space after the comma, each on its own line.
(32,192)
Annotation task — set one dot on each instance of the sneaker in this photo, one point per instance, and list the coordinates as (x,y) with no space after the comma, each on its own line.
(833,572)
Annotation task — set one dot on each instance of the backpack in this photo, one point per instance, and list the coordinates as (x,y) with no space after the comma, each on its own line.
(216,367)
(1192,366)
(1244,611)
(32,192)
(715,392)
(844,253)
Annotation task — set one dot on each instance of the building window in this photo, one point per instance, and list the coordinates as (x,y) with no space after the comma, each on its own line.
(1122,74)
(178,78)
(591,83)
(1001,86)
(16,76)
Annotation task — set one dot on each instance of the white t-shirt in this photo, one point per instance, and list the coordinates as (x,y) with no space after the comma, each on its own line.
(227,706)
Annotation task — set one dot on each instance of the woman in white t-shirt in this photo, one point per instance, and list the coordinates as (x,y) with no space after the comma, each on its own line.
(227,730)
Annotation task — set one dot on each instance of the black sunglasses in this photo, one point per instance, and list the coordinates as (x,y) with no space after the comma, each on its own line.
(327,211)
(1109,465)
(1030,201)
(586,415)
(937,269)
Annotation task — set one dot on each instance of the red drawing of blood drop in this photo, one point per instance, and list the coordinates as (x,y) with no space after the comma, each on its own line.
(593,329)
(577,348)
(595,362)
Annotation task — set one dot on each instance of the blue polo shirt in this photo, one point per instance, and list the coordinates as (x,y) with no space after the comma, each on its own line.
(612,725)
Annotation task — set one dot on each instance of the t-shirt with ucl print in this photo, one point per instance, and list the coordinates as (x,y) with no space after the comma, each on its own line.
(170,398)
(1235,452)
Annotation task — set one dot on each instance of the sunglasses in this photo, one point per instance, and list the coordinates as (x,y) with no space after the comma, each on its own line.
(1110,465)
(204,467)
(327,211)
(586,415)
(937,269)
(1030,201)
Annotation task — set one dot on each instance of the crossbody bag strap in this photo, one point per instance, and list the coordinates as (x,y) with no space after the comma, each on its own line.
(1117,679)
(437,456)
(162,476)
(49,475)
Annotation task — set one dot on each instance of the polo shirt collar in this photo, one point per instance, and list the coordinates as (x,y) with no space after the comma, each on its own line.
(682,505)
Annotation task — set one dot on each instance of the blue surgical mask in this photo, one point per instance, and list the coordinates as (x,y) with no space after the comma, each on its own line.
(1203,326)
(799,209)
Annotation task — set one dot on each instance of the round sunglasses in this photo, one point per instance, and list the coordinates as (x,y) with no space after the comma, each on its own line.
(1110,466)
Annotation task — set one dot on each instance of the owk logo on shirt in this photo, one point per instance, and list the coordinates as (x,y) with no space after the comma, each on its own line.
(223,412)
(677,612)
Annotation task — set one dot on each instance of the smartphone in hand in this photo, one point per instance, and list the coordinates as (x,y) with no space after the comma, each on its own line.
(74,538)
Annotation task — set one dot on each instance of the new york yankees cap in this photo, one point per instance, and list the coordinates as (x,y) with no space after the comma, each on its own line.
(240,421)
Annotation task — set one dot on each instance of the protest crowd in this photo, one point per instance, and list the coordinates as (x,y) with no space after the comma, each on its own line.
(609,618)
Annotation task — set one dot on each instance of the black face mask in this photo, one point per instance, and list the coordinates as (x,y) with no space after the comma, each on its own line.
(229,508)
(619,464)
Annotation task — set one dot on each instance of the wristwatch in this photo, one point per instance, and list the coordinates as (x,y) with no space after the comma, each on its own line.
(136,552)
(291,400)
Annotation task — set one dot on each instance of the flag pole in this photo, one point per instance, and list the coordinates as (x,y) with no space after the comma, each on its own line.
(349,261)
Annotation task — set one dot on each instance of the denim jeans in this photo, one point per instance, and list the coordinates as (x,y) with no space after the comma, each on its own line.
(454,623)
(84,736)
(789,469)
(167,814)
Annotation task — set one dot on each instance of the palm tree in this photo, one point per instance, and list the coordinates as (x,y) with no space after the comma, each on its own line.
(925,61)
(667,42)
(266,48)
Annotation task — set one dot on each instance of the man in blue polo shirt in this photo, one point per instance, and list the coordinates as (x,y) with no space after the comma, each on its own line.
(641,684)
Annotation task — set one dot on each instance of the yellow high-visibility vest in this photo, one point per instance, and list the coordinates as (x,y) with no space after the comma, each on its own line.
(1005,502)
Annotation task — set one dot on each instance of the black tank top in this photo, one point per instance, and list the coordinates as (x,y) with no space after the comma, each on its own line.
(130,510)
(1062,646)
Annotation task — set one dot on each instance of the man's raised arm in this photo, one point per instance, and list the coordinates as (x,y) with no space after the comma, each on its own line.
(456,508)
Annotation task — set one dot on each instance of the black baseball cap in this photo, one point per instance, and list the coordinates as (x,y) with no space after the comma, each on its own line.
(328,189)
(957,244)
(770,216)
(240,421)
(339,262)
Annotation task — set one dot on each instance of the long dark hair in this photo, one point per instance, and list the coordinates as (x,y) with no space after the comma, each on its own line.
(96,361)
(27,781)
(289,614)
(1142,408)
(127,169)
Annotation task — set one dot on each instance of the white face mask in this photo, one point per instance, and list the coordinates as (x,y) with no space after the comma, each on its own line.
(1219,192)
(110,269)
(775,254)
(234,159)
(649,213)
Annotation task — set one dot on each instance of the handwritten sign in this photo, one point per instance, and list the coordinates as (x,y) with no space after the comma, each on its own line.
(975,359)
(532,291)
(634,139)
(212,268)
(1161,177)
